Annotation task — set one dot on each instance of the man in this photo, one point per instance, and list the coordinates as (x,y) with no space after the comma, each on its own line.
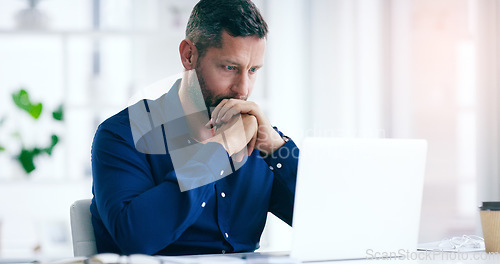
(196,170)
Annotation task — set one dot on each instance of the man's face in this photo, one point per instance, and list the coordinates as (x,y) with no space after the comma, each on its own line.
(230,72)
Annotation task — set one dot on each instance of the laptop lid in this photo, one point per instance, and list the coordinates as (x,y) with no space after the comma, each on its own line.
(357,198)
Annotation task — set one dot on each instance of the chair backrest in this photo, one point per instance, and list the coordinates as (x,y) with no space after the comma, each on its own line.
(82,230)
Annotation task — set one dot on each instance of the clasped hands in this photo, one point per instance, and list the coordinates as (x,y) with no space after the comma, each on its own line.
(237,124)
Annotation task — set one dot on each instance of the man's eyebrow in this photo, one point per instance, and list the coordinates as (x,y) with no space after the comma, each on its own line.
(229,61)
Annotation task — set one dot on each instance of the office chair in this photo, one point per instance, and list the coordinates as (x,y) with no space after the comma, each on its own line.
(82,230)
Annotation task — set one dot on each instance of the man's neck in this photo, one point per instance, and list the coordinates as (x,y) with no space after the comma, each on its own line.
(194,108)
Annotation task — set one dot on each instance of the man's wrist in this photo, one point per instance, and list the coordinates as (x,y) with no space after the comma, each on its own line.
(277,143)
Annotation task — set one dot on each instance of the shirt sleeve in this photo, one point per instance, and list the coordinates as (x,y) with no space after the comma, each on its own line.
(141,215)
(283,162)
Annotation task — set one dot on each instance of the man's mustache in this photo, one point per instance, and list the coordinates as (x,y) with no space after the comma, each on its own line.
(211,107)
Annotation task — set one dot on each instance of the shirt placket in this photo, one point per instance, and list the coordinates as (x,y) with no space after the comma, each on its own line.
(223,212)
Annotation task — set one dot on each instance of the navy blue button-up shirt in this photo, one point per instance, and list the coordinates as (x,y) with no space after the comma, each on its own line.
(138,206)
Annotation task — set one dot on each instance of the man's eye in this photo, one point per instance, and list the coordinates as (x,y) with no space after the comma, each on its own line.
(253,70)
(230,68)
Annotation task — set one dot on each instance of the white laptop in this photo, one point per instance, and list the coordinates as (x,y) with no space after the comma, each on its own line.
(357,198)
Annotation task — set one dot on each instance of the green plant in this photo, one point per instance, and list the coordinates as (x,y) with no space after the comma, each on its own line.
(26,155)
(2,148)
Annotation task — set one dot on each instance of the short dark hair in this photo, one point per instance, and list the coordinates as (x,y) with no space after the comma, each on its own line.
(239,18)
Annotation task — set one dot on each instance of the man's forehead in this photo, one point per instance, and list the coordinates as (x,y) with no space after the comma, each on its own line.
(239,50)
(228,39)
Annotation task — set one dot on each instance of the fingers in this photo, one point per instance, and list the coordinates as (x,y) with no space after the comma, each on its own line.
(229,113)
(215,112)
(215,115)
(228,108)
(266,140)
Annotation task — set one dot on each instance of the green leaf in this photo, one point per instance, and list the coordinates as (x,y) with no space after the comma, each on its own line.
(54,142)
(22,100)
(58,114)
(36,151)
(36,110)
(26,159)
(2,148)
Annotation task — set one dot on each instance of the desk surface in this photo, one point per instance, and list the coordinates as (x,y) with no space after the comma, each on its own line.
(282,258)
(426,257)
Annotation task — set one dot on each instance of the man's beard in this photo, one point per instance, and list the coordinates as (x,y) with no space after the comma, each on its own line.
(211,100)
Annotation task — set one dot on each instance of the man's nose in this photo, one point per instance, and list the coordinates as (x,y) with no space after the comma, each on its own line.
(241,86)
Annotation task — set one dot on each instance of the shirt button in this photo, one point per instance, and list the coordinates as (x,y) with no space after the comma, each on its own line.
(189,141)
(271,168)
(223,251)
(222,194)
(278,165)
(221,172)
(203,204)
(226,235)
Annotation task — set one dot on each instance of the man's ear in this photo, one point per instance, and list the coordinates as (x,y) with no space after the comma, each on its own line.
(189,54)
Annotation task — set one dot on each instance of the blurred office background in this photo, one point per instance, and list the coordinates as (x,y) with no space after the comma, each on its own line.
(367,68)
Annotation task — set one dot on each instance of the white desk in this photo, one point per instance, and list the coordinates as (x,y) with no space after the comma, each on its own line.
(410,258)
(419,257)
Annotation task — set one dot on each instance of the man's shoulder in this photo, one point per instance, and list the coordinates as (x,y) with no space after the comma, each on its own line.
(131,125)
(118,120)
(117,125)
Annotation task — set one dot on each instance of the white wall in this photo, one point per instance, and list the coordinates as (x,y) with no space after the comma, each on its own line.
(403,69)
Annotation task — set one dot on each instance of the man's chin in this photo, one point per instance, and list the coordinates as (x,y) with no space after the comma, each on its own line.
(217,102)
(211,104)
